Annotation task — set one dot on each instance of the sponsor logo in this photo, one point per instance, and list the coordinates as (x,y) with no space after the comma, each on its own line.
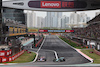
(4,59)
(50,4)
(20,3)
(2,54)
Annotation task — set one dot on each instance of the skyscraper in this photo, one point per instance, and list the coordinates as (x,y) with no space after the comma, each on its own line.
(83,18)
(40,22)
(52,18)
(14,14)
(64,20)
(74,18)
(31,19)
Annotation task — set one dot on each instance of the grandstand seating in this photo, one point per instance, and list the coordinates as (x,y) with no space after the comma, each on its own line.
(92,30)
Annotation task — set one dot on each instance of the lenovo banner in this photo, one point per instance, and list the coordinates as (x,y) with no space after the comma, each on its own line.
(57,4)
(50,4)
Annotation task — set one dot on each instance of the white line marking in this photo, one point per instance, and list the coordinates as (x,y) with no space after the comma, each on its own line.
(49,50)
(41,45)
(76,50)
(35,57)
(56,54)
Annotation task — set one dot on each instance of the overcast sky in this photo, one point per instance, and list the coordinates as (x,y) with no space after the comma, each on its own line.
(90,13)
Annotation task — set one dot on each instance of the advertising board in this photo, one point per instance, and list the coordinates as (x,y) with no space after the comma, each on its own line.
(32,30)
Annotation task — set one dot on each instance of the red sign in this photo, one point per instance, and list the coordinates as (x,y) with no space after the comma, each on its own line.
(50,4)
(68,31)
(0,60)
(68,4)
(43,30)
(7,53)
(4,59)
(2,53)
(10,59)
(13,58)
(10,52)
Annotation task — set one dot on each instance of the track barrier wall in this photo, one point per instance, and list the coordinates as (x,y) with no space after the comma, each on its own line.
(39,42)
(5,56)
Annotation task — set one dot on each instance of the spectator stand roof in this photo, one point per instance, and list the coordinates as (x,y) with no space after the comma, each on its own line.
(94,20)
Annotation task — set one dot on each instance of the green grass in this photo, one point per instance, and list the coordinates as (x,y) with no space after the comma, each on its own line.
(92,55)
(71,43)
(26,57)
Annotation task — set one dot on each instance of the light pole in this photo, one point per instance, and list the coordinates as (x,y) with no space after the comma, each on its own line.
(1,30)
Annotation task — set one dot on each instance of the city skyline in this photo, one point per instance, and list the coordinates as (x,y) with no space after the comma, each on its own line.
(90,13)
(56,20)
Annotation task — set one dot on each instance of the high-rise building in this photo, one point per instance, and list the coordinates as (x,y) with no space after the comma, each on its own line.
(55,22)
(59,22)
(64,20)
(40,22)
(74,18)
(46,22)
(31,19)
(83,18)
(88,19)
(14,14)
(43,22)
(51,20)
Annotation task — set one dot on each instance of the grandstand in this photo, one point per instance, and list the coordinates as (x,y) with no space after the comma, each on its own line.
(89,33)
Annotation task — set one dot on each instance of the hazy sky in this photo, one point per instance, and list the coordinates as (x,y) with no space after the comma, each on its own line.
(90,13)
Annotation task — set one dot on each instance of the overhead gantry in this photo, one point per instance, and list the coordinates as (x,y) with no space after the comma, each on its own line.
(54,5)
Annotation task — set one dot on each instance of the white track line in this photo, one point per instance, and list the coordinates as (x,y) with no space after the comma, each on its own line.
(91,61)
(35,57)
(49,50)
(41,45)
(55,54)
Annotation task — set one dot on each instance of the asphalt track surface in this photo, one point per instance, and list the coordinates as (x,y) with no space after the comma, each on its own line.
(51,44)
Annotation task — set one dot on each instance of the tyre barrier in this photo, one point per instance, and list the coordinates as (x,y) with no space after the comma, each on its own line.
(10,58)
